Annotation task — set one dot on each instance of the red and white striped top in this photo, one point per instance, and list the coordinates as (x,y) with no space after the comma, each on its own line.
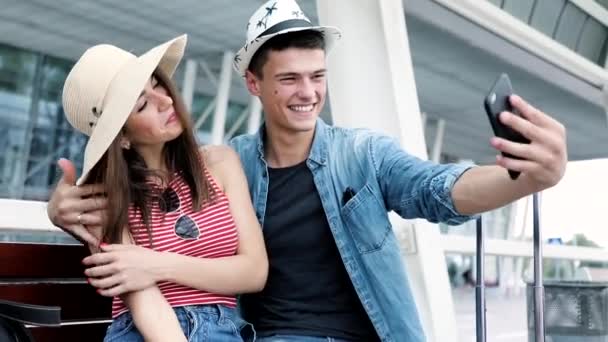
(217,238)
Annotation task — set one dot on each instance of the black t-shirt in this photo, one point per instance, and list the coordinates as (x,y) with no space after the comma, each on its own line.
(308,291)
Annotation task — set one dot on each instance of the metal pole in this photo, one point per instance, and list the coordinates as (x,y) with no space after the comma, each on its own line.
(437,146)
(539,291)
(222,98)
(423,118)
(189,83)
(480,298)
(255,115)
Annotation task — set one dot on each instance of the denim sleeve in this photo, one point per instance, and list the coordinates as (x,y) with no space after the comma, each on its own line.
(234,143)
(415,188)
(239,144)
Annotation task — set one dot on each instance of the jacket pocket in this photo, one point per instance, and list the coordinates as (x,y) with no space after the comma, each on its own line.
(366,218)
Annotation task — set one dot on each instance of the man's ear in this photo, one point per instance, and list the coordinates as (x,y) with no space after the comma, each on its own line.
(253,83)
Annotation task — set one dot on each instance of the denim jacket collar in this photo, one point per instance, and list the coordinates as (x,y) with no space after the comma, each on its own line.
(318,151)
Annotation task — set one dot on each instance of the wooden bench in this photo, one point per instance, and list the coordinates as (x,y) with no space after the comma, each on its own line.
(41,265)
(51,276)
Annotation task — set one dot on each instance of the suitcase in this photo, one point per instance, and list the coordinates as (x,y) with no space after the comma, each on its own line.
(480,299)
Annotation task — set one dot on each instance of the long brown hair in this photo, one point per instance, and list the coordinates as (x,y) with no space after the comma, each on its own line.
(126,177)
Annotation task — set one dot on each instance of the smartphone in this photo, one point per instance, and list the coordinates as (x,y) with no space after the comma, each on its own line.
(496,102)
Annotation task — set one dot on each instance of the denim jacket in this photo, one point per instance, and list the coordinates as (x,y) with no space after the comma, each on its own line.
(382,177)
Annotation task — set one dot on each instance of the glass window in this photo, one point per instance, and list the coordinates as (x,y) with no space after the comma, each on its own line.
(233,115)
(17,70)
(200,103)
(52,136)
(33,130)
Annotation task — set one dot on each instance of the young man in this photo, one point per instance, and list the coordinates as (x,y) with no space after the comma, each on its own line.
(322,193)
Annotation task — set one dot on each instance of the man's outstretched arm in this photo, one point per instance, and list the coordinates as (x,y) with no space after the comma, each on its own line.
(452,193)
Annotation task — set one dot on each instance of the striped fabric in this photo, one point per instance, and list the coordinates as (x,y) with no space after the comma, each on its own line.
(218,238)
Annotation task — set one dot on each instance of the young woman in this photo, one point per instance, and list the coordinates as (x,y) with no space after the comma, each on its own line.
(180,237)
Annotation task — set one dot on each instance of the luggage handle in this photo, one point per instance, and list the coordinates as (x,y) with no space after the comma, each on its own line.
(539,290)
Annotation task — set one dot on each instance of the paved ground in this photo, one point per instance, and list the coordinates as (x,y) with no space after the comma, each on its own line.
(505,317)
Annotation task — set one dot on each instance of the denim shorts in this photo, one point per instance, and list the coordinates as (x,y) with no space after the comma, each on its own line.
(200,323)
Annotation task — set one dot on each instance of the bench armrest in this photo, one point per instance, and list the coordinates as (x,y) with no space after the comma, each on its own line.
(31,314)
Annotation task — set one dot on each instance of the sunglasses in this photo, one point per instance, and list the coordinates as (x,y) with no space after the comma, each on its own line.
(185,227)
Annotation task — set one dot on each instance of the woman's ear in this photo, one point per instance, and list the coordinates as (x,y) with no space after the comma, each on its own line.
(125,143)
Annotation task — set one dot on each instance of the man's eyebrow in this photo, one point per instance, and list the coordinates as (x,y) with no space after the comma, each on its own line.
(284,74)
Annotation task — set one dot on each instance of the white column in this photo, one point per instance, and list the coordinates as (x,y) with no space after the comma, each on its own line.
(255,115)
(370,71)
(189,83)
(223,96)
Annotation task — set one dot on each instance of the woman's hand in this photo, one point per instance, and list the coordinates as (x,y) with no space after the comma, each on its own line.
(119,269)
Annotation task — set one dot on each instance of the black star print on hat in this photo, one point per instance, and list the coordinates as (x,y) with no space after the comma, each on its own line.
(269,11)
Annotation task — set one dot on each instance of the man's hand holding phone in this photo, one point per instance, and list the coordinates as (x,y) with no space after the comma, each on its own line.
(538,149)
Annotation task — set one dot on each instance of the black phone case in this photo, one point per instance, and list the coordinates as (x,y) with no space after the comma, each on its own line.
(497,101)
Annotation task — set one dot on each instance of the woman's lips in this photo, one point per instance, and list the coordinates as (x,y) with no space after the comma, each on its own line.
(172,118)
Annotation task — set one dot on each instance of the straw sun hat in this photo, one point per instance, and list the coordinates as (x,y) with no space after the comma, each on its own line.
(103,86)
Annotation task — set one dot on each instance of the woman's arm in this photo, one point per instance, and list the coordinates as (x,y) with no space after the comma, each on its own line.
(153,316)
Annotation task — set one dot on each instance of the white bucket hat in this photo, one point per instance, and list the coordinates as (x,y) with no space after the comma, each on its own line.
(273,18)
(103,86)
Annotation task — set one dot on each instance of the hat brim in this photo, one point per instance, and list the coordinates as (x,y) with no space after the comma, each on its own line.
(122,94)
(243,57)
